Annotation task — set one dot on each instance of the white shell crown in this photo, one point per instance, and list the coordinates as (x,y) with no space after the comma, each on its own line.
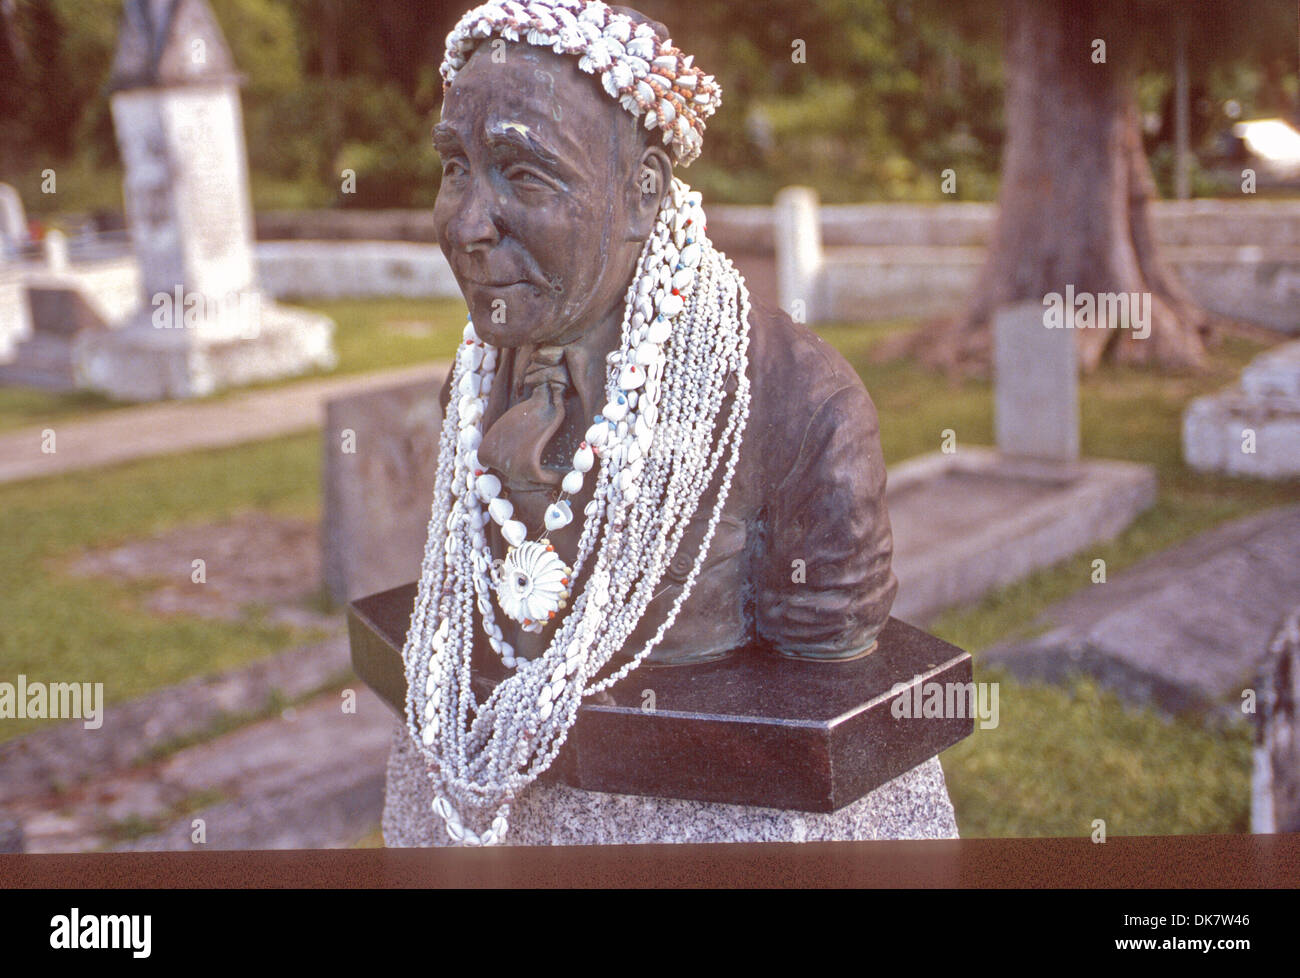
(649,78)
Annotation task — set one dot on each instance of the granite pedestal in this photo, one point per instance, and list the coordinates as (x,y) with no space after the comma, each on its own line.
(754,747)
(913,805)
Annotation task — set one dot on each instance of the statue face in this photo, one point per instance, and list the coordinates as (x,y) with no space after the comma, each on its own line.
(540,212)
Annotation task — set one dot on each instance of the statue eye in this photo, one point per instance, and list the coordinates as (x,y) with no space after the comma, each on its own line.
(452,166)
(526,177)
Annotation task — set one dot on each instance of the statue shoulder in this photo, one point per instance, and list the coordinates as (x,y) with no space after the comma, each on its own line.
(794,373)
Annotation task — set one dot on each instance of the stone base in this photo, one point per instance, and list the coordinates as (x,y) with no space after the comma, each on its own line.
(1215,427)
(978,519)
(144,362)
(914,805)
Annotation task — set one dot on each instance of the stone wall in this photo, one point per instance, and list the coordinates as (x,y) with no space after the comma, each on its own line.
(887,259)
(879,260)
(1268,223)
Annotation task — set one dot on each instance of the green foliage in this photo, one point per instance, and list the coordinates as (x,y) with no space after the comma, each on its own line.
(882,97)
(324,127)
(860,99)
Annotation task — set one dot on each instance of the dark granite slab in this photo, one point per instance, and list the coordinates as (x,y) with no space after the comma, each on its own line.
(756,728)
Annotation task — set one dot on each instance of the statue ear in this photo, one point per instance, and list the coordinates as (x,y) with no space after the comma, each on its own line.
(654,172)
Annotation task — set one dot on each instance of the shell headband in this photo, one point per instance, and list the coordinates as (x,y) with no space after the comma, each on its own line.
(649,78)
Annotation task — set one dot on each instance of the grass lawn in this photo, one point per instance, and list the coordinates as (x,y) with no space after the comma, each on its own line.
(1060,758)
(62,628)
(1064,757)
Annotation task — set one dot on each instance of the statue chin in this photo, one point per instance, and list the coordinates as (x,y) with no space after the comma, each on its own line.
(514,316)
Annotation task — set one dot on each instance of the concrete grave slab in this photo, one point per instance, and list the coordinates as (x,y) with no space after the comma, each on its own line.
(1253,429)
(1181,631)
(967,523)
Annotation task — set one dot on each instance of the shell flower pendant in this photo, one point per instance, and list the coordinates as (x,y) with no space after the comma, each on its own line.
(534,584)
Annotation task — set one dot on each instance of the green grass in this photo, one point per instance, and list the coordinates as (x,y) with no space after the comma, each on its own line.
(21,407)
(371,334)
(374,839)
(62,628)
(1061,757)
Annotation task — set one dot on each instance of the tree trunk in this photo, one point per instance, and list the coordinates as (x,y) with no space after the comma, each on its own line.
(1075,189)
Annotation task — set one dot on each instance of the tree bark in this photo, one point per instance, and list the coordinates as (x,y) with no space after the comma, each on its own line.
(1075,193)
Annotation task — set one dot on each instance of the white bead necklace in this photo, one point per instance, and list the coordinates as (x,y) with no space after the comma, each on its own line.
(684,336)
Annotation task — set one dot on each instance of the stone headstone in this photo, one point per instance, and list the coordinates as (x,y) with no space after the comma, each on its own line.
(1036,387)
(1180,631)
(1275,794)
(55,248)
(13,222)
(1254,428)
(381,452)
(203,323)
(59,314)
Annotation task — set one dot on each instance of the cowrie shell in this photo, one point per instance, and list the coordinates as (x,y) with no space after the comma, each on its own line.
(671,305)
(558,516)
(630,378)
(514,532)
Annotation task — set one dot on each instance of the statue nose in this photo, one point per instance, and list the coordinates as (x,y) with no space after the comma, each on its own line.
(474,226)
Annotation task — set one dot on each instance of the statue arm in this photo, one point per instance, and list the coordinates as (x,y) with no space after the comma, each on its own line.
(826,584)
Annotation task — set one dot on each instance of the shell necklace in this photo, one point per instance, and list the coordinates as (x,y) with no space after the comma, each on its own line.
(684,340)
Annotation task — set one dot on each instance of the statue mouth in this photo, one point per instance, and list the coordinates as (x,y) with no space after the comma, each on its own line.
(484,280)
(482,284)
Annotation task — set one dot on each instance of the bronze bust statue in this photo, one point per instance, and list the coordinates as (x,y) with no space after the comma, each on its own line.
(616,394)
(542,212)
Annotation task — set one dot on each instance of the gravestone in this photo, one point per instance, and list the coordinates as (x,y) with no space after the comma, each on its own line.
(1180,631)
(55,250)
(13,223)
(381,455)
(969,519)
(1036,386)
(1275,794)
(59,314)
(203,323)
(1254,428)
